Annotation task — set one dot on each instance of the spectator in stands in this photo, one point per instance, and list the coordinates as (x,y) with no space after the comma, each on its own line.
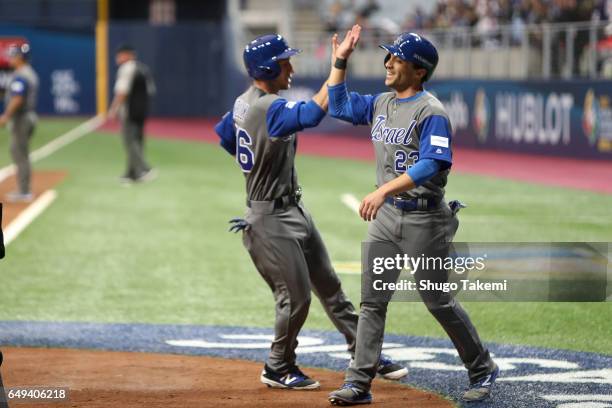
(333,17)
(487,27)
(415,21)
(368,9)
(571,11)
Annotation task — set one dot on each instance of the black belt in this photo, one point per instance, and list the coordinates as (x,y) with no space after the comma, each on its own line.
(415,204)
(282,202)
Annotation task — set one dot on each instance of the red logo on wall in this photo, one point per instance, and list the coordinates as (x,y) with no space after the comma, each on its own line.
(5,43)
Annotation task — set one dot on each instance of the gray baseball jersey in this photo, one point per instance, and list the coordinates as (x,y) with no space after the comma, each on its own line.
(397,129)
(23,82)
(267,162)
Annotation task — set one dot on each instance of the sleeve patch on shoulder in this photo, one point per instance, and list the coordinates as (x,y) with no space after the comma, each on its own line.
(439,141)
(290,104)
(241,109)
(17,86)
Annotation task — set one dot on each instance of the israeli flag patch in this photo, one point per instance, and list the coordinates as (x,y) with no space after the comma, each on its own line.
(290,104)
(439,141)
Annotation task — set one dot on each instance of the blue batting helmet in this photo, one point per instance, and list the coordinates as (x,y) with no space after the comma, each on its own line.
(22,50)
(416,49)
(262,54)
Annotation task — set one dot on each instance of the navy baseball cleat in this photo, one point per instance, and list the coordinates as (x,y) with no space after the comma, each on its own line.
(350,394)
(295,379)
(390,370)
(481,389)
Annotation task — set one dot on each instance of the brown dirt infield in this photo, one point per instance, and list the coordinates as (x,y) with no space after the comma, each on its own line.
(41,182)
(125,379)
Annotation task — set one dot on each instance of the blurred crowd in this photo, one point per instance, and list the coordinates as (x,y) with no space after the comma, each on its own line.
(482,15)
(484,19)
(487,14)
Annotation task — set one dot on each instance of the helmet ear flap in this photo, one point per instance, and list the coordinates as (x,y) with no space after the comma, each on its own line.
(268,72)
(387,58)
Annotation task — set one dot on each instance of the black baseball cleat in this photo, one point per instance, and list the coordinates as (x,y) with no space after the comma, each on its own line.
(294,379)
(350,394)
(390,370)
(481,389)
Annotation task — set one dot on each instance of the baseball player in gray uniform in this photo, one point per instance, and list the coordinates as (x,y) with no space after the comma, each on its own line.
(411,133)
(20,115)
(278,232)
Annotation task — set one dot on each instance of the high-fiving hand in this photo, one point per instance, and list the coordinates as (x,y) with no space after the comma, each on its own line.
(348,44)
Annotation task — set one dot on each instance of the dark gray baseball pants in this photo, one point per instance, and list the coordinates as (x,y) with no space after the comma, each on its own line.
(21,128)
(416,233)
(133,140)
(289,254)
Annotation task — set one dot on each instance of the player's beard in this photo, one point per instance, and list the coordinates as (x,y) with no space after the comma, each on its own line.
(396,82)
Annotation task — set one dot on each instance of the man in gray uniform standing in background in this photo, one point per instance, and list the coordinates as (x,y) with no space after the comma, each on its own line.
(20,115)
(411,133)
(134,88)
(279,232)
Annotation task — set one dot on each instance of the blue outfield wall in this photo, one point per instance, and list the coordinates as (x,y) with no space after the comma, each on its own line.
(192,67)
(65,63)
(558,118)
(189,63)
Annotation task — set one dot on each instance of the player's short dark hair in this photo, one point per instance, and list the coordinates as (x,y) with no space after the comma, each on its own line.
(419,66)
(124,48)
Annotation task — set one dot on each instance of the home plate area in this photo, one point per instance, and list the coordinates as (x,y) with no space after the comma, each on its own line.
(530,376)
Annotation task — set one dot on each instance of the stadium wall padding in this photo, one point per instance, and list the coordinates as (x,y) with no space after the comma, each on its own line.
(65,63)
(558,118)
(188,61)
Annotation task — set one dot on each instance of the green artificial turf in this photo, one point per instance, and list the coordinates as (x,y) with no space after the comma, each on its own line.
(160,252)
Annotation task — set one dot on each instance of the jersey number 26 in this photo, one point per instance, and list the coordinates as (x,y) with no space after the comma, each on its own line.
(244,155)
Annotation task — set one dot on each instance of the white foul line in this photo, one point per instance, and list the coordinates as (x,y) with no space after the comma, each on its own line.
(351,202)
(57,143)
(26,217)
(41,203)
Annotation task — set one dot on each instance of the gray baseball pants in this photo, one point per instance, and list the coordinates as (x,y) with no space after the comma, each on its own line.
(133,140)
(416,233)
(289,254)
(21,128)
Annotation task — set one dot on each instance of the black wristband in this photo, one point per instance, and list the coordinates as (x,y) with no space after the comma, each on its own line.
(340,63)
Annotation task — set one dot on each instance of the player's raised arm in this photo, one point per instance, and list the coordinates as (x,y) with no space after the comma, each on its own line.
(349,107)
(341,53)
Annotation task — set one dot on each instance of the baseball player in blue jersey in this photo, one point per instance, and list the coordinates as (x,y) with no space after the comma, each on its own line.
(278,231)
(412,136)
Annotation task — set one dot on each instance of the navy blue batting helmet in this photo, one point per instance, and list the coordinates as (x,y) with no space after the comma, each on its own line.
(262,54)
(416,49)
(23,50)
